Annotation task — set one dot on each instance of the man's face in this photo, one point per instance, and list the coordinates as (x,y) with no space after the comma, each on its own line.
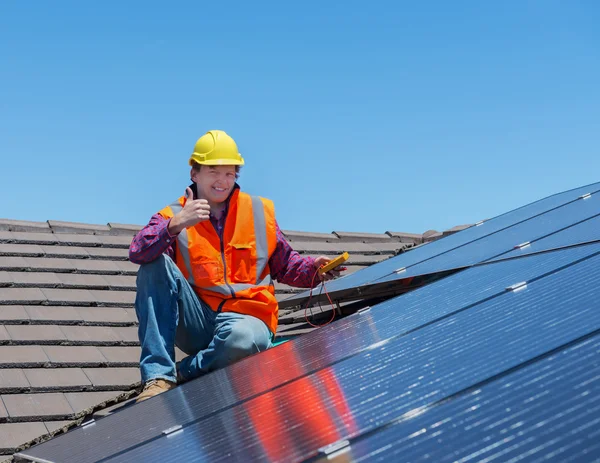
(214,182)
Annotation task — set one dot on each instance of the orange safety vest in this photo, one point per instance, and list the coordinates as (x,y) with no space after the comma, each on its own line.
(231,272)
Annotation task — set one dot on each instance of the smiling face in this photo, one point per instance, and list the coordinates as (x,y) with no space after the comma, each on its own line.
(214,183)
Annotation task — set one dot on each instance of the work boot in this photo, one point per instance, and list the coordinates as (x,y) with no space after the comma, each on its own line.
(155,387)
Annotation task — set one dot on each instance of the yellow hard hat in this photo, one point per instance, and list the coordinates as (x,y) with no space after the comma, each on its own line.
(216,148)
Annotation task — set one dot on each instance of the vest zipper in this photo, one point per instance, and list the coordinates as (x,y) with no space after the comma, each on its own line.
(224,261)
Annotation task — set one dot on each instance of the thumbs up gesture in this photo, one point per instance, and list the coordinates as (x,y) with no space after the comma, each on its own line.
(194,211)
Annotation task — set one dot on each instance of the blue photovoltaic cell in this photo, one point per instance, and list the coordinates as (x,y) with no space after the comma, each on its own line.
(312,352)
(506,240)
(394,378)
(458,240)
(546,411)
(583,232)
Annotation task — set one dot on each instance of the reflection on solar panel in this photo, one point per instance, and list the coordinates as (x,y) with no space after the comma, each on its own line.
(473,245)
(495,361)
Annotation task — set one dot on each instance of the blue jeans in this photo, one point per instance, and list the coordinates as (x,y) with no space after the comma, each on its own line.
(170,313)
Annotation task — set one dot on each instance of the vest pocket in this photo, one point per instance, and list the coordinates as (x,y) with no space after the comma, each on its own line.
(243,263)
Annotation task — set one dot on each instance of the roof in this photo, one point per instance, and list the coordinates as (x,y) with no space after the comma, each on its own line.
(68,329)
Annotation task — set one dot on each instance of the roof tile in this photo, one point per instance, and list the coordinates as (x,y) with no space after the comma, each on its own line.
(4,335)
(407,237)
(21,295)
(123,378)
(69,296)
(363,237)
(97,266)
(72,239)
(13,435)
(110,253)
(53,426)
(47,379)
(12,379)
(82,280)
(76,227)
(20,250)
(127,267)
(103,314)
(48,264)
(29,237)
(41,334)
(131,315)
(52,313)
(121,281)
(73,355)
(65,251)
(13,263)
(16,356)
(294,236)
(126,298)
(23,225)
(124,228)
(40,279)
(127,333)
(83,401)
(115,241)
(88,334)
(51,405)
(121,354)
(12,313)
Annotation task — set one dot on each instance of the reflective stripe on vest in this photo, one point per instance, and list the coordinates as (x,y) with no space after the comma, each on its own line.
(262,251)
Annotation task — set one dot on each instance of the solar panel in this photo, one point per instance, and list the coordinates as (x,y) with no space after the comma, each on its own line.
(395,378)
(470,246)
(546,411)
(479,328)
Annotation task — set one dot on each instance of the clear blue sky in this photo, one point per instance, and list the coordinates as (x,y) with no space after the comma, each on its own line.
(352,116)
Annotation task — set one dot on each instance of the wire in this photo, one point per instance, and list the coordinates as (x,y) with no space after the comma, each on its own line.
(323,287)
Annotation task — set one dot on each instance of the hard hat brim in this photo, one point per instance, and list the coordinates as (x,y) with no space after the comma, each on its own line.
(217,162)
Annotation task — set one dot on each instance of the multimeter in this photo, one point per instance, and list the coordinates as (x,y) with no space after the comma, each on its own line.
(339,260)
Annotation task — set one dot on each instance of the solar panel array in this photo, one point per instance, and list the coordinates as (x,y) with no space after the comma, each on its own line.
(494,362)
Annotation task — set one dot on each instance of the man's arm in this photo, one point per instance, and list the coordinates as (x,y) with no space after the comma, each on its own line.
(290,268)
(152,241)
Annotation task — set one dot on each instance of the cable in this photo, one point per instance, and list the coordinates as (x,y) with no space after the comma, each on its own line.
(323,287)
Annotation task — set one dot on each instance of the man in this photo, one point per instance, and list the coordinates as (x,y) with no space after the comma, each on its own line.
(207,264)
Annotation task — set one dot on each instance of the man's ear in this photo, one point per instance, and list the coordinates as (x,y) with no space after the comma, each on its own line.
(193,175)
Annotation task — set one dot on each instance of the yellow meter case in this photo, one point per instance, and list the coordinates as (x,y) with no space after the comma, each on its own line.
(339,260)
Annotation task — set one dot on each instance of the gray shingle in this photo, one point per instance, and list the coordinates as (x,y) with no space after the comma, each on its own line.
(12,379)
(13,313)
(23,225)
(29,237)
(83,401)
(115,241)
(74,355)
(37,279)
(72,239)
(118,378)
(127,334)
(414,238)
(294,236)
(120,298)
(47,379)
(13,263)
(124,228)
(121,281)
(127,267)
(97,266)
(362,237)
(52,313)
(81,280)
(69,296)
(15,356)
(66,251)
(13,435)
(90,334)
(59,226)
(20,250)
(49,264)
(3,413)
(121,354)
(103,314)
(47,406)
(21,295)
(40,334)
(4,335)
(109,253)
(53,426)
(131,315)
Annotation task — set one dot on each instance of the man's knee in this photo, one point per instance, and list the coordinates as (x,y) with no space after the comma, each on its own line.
(245,339)
(158,268)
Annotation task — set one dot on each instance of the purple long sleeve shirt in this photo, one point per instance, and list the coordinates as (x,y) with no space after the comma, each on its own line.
(287,266)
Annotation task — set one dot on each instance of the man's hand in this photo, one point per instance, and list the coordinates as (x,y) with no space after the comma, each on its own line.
(194,211)
(322,260)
